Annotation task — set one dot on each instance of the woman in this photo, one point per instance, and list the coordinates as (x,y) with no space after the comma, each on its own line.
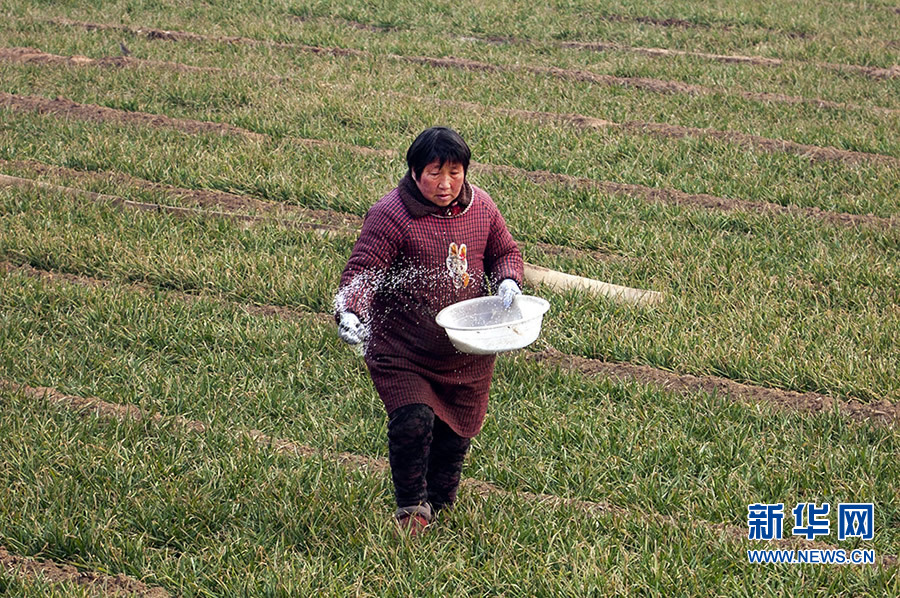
(432,241)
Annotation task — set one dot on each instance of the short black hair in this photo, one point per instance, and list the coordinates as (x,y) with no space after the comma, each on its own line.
(437,143)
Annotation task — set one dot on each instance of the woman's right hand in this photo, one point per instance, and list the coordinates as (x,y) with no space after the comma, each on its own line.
(350,329)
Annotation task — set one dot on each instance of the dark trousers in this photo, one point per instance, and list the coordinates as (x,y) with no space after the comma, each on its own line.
(426,457)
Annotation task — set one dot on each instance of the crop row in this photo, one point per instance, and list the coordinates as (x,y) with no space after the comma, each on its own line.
(376,465)
(601,46)
(26,577)
(548,224)
(878,413)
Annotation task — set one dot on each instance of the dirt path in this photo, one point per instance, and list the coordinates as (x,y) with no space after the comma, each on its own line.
(644,83)
(70,109)
(879,413)
(109,585)
(380,465)
(192,197)
(661,130)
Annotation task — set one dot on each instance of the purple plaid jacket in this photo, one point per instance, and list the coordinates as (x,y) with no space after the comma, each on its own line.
(404,269)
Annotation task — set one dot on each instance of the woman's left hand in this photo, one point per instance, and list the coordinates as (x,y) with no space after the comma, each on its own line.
(507,290)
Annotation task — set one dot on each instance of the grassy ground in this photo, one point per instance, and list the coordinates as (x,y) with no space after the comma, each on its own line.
(784,301)
(216,515)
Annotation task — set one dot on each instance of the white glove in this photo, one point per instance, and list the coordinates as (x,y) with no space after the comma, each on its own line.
(507,290)
(350,329)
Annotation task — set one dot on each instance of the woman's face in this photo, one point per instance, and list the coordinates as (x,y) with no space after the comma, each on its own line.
(441,184)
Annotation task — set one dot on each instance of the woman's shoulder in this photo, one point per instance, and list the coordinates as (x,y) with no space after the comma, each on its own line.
(389,206)
(387,217)
(483,198)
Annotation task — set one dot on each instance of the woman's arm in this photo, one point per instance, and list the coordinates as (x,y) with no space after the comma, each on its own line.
(376,248)
(502,258)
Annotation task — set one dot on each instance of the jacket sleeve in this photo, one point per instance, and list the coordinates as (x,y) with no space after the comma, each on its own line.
(502,258)
(376,248)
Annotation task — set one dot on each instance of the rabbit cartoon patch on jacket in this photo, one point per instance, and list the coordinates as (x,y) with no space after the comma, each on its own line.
(457,264)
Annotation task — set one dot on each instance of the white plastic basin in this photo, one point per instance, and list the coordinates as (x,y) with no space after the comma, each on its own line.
(481,326)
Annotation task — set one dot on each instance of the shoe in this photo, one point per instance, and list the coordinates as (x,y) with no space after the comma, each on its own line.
(413,520)
(412,524)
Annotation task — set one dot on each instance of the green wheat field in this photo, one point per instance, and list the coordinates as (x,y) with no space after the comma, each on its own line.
(181,183)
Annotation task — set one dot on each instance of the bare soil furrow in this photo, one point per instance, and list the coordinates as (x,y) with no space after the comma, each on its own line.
(755,142)
(610,17)
(693,200)
(533,274)
(321,220)
(68,108)
(381,465)
(868,71)
(204,198)
(881,412)
(34,56)
(667,131)
(280,445)
(92,112)
(265,310)
(175,36)
(11,181)
(109,585)
(644,83)
(686,24)
(95,113)
(818,103)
